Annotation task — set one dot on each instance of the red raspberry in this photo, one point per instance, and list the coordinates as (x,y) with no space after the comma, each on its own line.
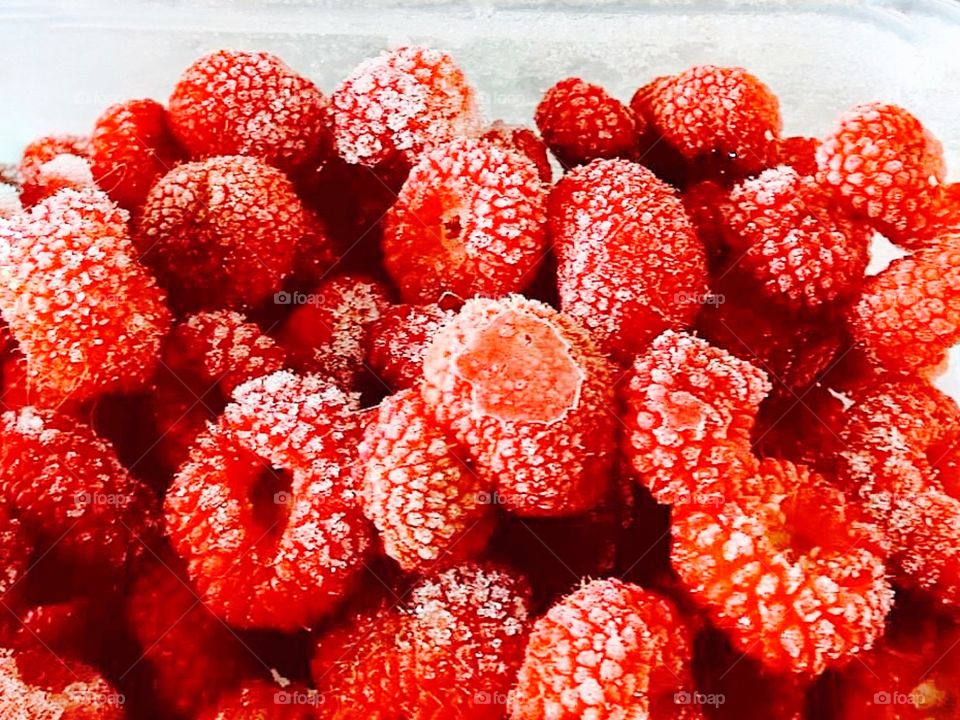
(87,317)
(943,219)
(398,340)
(653,151)
(629,264)
(882,164)
(401,104)
(800,153)
(524,141)
(782,569)
(581,122)
(610,650)
(909,314)
(690,409)
(259,700)
(131,148)
(222,232)
(40,179)
(709,109)
(782,231)
(524,389)
(250,103)
(470,220)
(427,503)
(263,555)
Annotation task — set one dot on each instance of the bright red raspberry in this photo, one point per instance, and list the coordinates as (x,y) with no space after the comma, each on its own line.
(398,340)
(943,219)
(131,148)
(427,503)
(581,122)
(883,165)
(250,103)
(690,409)
(783,232)
(52,163)
(264,512)
(798,152)
(261,700)
(222,232)
(87,317)
(401,104)
(523,140)
(524,389)
(610,650)
(716,110)
(785,568)
(653,151)
(629,264)
(470,220)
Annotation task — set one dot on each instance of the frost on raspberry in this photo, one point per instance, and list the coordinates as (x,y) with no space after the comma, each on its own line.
(87,317)
(428,505)
(52,163)
(581,122)
(629,264)
(690,409)
(401,104)
(262,700)
(524,389)
(223,232)
(470,220)
(398,339)
(883,165)
(264,513)
(523,140)
(250,103)
(609,650)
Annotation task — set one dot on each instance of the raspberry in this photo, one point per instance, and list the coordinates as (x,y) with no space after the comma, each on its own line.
(799,153)
(427,504)
(15,551)
(581,122)
(943,219)
(629,264)
(525,391)
(259,700)
(690,408)
(401,104)
(249,103)
(781,570)
(609,650)
(653,151)
(131,147)
(222,232)
(262,555)
(52,163)
(783,232)
(524,141)
(882,165)
(398,340)
(725,111)
(470,220)
(63,628)
(87,317)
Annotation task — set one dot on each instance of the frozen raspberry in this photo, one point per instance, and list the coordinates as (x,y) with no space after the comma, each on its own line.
(15,551)
(398,340)
(785,569)
(882,164)
(610,650)
(131,148)
(942,220)
(523,388)
(690,408)
(716,110)
(401,104)
(581,122)
(222,232)
(249,103)
(909,314)
(470,220)
(653,150)
(260,700)
(69,155)
(264,512)
(523,140)
(629,263)
(783,232)
(87,317)
(800,153)
(205,357)
(427,503)
(328,333)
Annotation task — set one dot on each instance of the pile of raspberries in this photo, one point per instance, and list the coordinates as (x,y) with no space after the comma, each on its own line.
(357,407)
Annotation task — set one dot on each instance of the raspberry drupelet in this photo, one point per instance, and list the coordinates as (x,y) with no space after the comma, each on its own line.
(262,700)
(607,651)
(800,153)
(400,104)
(250,103)
(629,264)
(524,389)
(87,317)
(523,140)
(469,220)
(261,554)
(398,340)
(52,163)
